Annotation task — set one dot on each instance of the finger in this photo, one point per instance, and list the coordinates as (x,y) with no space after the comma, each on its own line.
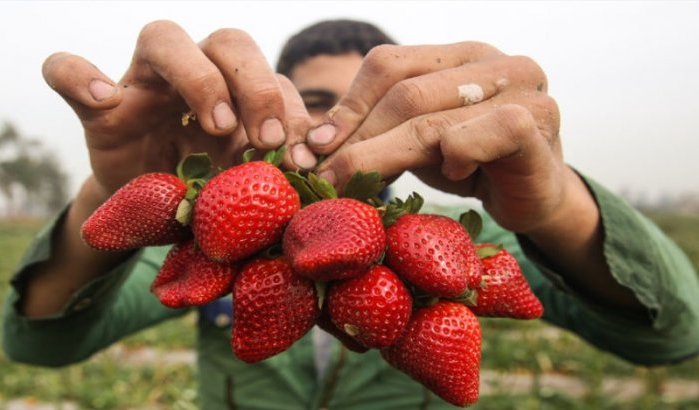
(452,88)
(84,87)
(417,143)
(298,119)
(258,93)
(508,136)
(165,52)
(383,67)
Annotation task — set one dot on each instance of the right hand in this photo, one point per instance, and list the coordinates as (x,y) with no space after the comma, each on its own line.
(135,126)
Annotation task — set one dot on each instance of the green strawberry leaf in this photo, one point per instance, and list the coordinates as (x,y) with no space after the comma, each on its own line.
(488,251)
(364,187)
(414,203)
(248,155)
(302,186)
(397,208)
(322,186)
(473,223)
(275,157)
(321,290)
(195,166)
(184,212)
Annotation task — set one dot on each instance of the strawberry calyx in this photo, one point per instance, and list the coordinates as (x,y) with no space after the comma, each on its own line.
(472,222)
(396,208)
(488,250)
(195,170)
(311,188)
(274,157)
(365,187)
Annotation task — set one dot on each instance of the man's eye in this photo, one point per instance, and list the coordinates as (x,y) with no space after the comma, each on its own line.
(318,104)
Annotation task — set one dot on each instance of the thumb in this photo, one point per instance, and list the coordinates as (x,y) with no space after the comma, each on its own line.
(84,87)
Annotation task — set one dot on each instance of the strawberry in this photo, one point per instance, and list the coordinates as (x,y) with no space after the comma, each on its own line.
(188,278)
(505,291)
(373,308)
(334,239)
(141,213)
(434,253)
(243,210)
(325,323)
(272,308)
(441,348)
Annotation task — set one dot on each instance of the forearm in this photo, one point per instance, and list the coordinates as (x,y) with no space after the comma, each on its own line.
(73,264)
(572,241)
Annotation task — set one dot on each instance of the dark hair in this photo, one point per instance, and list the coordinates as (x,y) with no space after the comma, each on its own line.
(332,37)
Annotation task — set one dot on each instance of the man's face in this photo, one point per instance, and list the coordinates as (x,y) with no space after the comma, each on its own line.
(324,79)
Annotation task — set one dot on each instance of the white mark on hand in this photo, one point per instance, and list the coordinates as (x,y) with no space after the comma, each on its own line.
(470,93)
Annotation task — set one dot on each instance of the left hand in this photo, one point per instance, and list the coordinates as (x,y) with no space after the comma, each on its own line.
(465,118)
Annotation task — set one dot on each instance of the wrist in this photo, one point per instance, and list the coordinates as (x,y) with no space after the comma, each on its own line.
(575,220)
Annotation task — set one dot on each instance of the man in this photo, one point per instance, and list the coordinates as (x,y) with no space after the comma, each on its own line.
(465,118)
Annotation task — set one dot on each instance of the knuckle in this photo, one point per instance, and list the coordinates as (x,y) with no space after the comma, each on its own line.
(207,84)
(428,130)
(264,98)
(156,29)
(476,50)
(406,99)
(530,69)
(225,37)
(515,120)
(378,59)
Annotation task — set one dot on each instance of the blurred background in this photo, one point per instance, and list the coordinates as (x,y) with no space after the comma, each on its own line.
(623,73)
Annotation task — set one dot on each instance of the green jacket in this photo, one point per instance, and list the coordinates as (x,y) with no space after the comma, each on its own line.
(120,303)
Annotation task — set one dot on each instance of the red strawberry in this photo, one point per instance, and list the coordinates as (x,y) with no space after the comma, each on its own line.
(505,291)
(272,308)
(334,239)
(434,253)
(373,308)
(441,348)
(141,213)
(243,210)
(189,278)
(325,323)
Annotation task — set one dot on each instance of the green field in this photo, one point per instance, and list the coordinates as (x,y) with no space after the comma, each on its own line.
(528,365)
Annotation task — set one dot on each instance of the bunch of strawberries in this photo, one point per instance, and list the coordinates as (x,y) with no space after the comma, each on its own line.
(293,254)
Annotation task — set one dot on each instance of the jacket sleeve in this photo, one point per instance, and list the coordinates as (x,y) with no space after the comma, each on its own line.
(640,258)
(102,312)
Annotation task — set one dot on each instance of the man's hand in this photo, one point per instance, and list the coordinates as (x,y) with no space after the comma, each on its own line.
(470,120)
(135,126)
(465,118)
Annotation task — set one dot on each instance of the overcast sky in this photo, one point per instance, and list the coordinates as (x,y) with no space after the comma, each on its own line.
(625,74)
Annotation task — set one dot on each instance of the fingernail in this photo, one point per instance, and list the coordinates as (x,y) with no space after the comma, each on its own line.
(100,90)
(323,135)
(272,132)
(302,156)
(224,118)
(329,175)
